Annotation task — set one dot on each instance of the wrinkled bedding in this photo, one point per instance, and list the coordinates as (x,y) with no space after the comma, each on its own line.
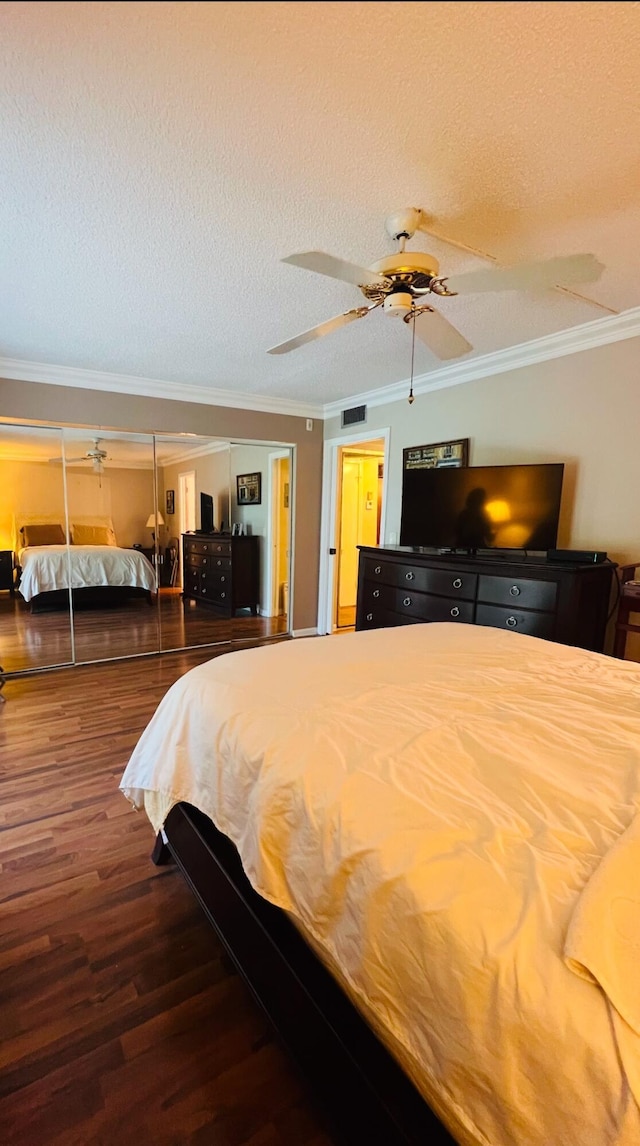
(46,568)
(431,804)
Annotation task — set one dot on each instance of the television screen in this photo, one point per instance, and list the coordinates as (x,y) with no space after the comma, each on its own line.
(482,507)
(206,513)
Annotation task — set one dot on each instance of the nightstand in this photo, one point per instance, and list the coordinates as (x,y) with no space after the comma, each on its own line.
(6,570)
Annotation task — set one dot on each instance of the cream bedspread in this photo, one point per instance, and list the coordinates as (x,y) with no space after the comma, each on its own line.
(46,568)
(431,804)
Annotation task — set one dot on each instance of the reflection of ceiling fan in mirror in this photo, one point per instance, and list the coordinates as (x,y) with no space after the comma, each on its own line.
(401,284)
(95,455)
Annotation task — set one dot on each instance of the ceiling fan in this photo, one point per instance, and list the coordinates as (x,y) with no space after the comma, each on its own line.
(96,455)
(401,284)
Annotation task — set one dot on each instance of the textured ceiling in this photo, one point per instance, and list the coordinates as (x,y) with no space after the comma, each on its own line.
(159,159)
(44,444)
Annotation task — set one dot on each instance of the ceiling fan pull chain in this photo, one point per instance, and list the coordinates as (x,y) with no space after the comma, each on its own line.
(413,350)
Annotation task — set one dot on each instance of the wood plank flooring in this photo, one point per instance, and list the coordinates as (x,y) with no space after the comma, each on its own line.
(37,640)
(122,1022)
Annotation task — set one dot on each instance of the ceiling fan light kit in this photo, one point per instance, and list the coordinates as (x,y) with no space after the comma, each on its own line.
(400,283)
(398,303)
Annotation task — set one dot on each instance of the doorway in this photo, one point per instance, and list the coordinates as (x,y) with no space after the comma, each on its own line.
(353,514)
(361,482)
(279,534)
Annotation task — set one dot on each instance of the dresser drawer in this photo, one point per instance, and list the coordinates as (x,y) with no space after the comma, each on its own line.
(197,548)
(217,584)
(425,607)
(518,591)
(444,582)
(533,624)
(197,561)
(220,547)
(379,618)
(378,596)
(192,585)
(381,572)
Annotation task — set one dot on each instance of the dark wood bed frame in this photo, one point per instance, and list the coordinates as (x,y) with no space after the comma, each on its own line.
(90,597)
(368,1099)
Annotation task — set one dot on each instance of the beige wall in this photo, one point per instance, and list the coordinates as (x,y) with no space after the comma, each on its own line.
(583,410)
(124,495)
(27,488)
(33,488)
(73,406)
(212,476)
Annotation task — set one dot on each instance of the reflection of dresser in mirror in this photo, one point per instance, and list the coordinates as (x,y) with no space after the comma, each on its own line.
(222,571)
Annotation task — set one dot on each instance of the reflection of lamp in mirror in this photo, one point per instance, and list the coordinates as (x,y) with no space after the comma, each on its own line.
(151,523)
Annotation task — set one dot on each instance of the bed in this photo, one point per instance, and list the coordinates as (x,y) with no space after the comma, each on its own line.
(440,824)
(98,570)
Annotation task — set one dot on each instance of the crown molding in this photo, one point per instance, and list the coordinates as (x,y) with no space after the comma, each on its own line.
(599,332)
(199,452)
(23,371)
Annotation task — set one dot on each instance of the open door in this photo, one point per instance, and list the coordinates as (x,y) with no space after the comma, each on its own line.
(361,487)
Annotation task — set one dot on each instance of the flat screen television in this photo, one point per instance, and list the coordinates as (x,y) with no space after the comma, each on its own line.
(482,507)
(206,513)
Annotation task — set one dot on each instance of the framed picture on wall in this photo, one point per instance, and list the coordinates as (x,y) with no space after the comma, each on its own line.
(440,455)
(249,489)
(171,501)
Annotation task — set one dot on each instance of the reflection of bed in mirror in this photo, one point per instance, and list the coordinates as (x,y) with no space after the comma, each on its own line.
(99,572)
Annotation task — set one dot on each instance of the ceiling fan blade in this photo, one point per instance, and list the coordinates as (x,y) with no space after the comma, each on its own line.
(439,335)
(323,328)
(335,268)
(528,276)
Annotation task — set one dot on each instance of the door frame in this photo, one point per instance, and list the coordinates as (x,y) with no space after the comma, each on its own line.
(270,531)
(330,511)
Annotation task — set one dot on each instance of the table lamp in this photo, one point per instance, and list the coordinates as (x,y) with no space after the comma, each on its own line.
(151,523)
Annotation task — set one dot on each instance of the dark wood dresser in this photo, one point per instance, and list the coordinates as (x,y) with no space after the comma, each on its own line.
(221,571)
(568,603)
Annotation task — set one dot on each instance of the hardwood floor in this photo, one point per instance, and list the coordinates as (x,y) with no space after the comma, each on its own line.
(33,640)
(346,617)
(122,1022)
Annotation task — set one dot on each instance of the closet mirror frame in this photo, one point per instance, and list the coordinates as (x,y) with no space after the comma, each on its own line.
(264,621)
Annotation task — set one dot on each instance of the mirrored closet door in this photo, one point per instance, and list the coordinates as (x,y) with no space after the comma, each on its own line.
(117,544)
(224,530)
(35,617)
(111,494)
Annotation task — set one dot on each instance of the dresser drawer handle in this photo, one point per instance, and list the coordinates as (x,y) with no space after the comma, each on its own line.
(204,561)
(455,612)
(369,616)
(457,584)
(218,562)
(511,622)
(378,569)
(376,592)
(223,578)
(407,601)
(408,576)
(514,591)
(223,595)
(204,590)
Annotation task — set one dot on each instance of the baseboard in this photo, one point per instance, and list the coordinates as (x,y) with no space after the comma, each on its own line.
(305,632)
